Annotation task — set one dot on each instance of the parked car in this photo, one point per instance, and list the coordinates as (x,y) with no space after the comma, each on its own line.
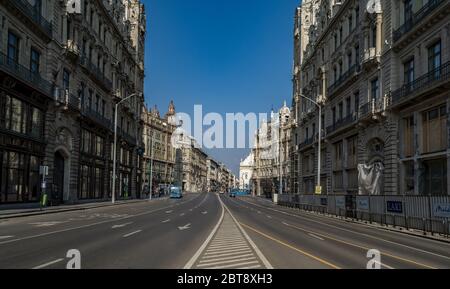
(175,193)
(232,194)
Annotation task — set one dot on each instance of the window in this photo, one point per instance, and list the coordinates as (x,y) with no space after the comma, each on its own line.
(97,103)
(37,123)
(408,10)
(374,89)
(357,55)
(350,23)
(409,177)
(435,182)
(435,129)
(349,60)
(338,156)
(341,35)
(333,111)
(66,79)
(357,15)
(408,68)
(38,6)
(348,105)
(351,152)
(34,61)
(19,178)
(103,107)
(356,96)
(434,57)
(15,115)
(374,36)
(99,143)
(13,47)
(341,110)
(408,136)
(86,141)
(91,93)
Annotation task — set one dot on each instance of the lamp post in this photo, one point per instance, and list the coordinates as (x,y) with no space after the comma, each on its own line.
(318,187)
(150,185)
(113,199)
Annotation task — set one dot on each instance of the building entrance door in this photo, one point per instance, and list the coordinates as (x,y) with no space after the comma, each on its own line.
(58,177)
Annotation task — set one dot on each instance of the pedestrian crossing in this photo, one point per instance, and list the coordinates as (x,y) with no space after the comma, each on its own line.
(229,249)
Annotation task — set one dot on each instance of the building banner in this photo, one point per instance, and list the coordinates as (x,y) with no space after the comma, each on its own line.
(369,178)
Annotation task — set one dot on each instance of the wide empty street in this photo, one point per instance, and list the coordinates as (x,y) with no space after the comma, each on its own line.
(208,230)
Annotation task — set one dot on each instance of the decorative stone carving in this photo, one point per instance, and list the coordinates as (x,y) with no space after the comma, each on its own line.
(64,137)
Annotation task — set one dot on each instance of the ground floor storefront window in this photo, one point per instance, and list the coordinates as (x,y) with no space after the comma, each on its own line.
(434,177)
(91,182)
(19,177)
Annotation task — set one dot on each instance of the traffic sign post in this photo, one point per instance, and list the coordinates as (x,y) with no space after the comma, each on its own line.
(318,190)
(43,171)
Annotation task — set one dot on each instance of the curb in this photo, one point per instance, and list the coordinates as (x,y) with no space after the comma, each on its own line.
(55,211)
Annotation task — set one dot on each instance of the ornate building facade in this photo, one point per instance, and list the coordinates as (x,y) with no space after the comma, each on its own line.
(380,75)
(159,156)
(271,169)
(63,68)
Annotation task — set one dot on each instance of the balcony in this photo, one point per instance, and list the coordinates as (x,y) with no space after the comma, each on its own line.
(97,74)
(33,16)
(67,100)
(126,136)
(418,18)
(72,49)
(344,78)
(430,83)
(373,110)
(306,142)
(97,118)
(342,123)
(33,80)
(370,58)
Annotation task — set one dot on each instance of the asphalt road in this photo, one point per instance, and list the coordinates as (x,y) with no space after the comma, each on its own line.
(207,231)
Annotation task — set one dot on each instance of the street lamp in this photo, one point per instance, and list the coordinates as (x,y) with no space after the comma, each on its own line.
(318,187)
(113,199)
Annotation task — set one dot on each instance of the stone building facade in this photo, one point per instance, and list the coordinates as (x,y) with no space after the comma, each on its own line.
(62,70)
(381,76)
(272,156)
(159,156)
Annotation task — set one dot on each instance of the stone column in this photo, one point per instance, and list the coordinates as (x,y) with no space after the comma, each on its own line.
(379,36)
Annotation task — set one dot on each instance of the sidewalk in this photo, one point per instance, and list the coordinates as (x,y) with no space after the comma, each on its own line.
(34,209)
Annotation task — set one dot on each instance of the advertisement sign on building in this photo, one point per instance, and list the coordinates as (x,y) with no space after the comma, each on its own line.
(441,210)
(362,203)
(340,202)
(394,207)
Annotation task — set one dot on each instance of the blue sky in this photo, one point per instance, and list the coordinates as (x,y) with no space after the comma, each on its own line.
(229,56)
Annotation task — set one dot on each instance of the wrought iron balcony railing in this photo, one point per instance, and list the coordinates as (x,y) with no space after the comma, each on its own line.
(97,117)
(441,73)
(67,99)
(349,119)
(34,15)
(25,74)
(343,78)
(96,72)
(416,18)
